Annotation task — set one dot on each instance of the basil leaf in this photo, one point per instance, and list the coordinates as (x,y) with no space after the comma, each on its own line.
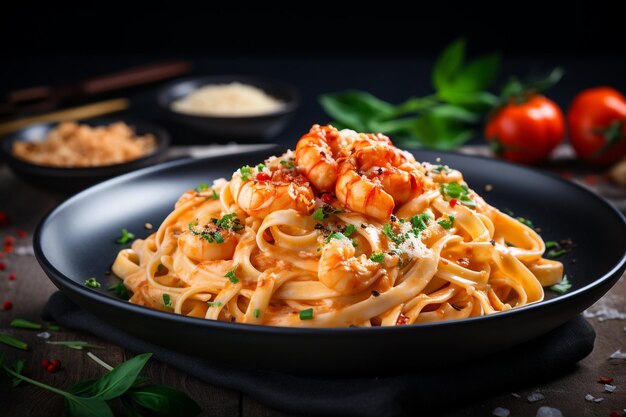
(448,64)
(439,132)
(456,113)
(165,400)
(478,75)
(355,109)
(121,378)
(86,407)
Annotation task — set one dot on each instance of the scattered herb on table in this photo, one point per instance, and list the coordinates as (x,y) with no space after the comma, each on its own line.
(126,237)
(562,287)
(25,324)
(120,290)
(89,397)
(74,344)
(13,342)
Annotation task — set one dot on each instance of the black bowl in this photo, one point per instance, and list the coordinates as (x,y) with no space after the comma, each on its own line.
(240,128)
(74,179)
(562,209)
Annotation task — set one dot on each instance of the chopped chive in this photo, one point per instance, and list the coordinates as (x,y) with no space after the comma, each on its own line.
(246,172)
(126,237)
(334,235)
(92,283)
(167,301)
(525,222)
(214,195)
(446,224)
(550,244)
(306,314)
(562,287)
(13,342)
(256,313)
(348,230)
(389,233)
(74,344)
(319,214)
(202,187)
(377,257)
(25,324)
(214,303)
(439,169)
(121,291)
(555,253)
(260,167)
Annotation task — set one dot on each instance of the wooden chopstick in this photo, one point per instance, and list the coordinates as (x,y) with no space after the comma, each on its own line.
(74,113)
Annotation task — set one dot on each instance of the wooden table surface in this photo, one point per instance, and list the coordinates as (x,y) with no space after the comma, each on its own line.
(31,288)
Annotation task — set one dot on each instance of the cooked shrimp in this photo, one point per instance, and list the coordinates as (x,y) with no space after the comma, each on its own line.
(201,243)
(361,194)
(341,271)
(397,170)
(261,193)
(316,155)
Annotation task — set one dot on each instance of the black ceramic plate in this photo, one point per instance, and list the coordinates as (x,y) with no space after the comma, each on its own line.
(74,179)
(76,241)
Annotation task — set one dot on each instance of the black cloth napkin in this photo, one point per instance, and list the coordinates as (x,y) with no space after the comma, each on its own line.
(422,393)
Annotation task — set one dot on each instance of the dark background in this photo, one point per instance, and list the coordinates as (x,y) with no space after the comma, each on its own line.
(387,50)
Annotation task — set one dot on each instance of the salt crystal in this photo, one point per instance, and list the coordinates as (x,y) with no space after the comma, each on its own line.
(618,354)
(535,396)
(549,412)
(44,335)
(501,412)
(598,400)
(516,395)
(609,388)
(589,397)
(24,250)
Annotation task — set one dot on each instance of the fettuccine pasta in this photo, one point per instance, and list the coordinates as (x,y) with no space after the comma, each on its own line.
(347,230)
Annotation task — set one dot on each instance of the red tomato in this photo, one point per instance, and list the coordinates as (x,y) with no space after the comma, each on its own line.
(526,132)
(597,123)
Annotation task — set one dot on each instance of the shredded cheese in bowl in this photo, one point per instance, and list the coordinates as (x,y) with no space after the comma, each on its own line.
(229,100)
(73,145)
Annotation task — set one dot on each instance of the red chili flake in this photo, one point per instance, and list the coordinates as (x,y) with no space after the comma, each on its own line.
(615,413)
(3,266)
(45,363)
(4,219)
(12,276)
(21,233)
(327,198)
(262,176)
(605,379)
(7,305)
(592,179)
(9,240)
(402,320)
(453,202)
(567,175)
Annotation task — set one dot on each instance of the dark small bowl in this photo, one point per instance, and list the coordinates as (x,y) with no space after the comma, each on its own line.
(75,179)
(240,128)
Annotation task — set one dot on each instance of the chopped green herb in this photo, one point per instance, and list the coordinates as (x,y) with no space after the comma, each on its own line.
(419,223)
(13,342)
(551,244)
(74,344)
(525,222)
(214,303)
(319,214)
(458,191)
(260,167)
(231,275)
(562,287)
(335,235)
(377,257)
(160,269)
(397,239)
(214,195)
(53,327)
(555,253)
(25,324)
(348,230)
(167,301)
(288,164)
(126,237)
(246,172)
(121,291)
(19,368)
(92,283)
(508,212)
(446,223)
(439,169)
(202,187)
(306,314)
(230,221)
(218,237)
(256,313)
